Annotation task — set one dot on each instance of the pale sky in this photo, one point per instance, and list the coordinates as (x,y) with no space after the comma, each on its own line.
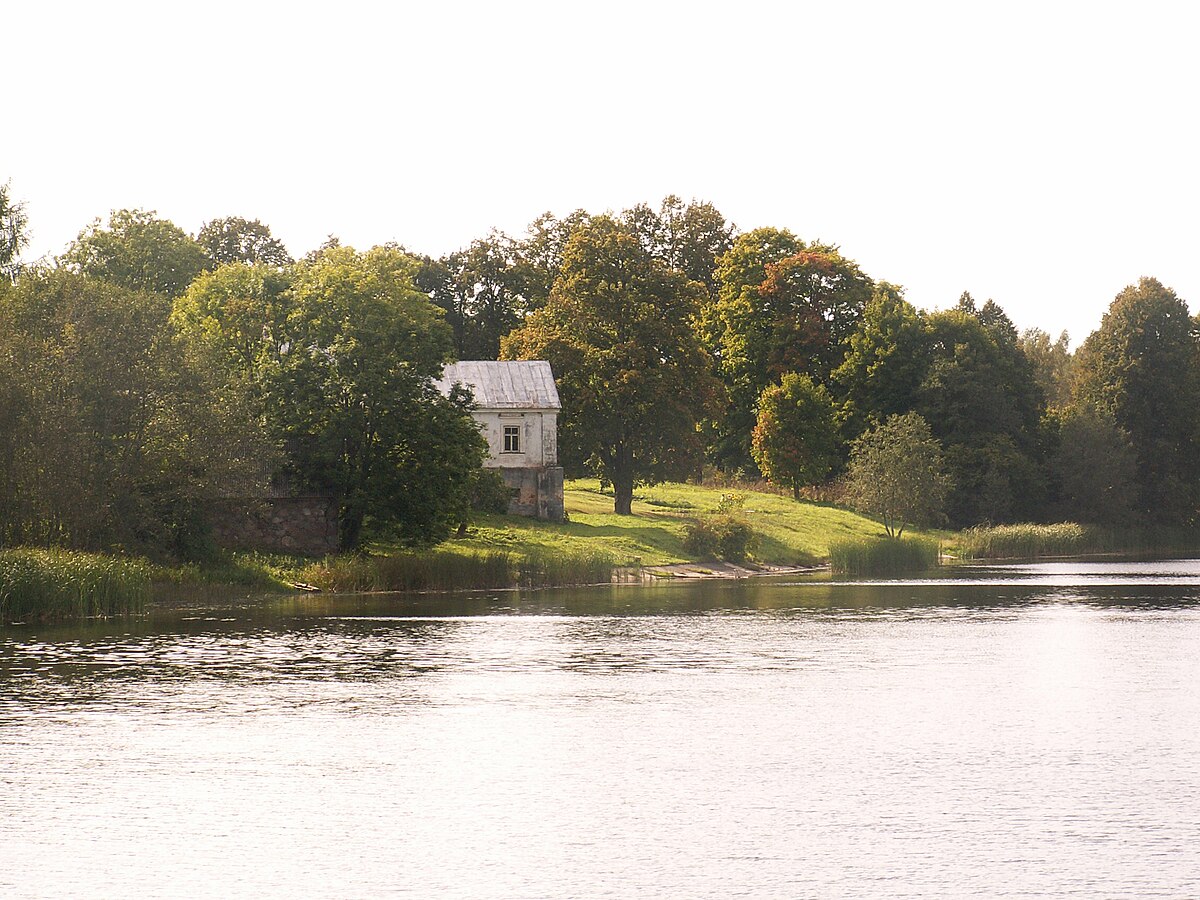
(1041,154)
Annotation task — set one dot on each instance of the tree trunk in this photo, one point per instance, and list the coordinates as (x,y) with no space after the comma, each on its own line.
(796,491)
(623,496)
(349,528)
(622,481)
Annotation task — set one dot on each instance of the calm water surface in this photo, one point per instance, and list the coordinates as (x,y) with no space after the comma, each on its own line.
(1028,731)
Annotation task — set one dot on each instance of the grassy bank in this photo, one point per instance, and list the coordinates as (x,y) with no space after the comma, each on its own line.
(786,532)
(60,584)
(1029,541)
(882,557)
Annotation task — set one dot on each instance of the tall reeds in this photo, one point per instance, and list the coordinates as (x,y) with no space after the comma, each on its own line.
(1029,541)
(455,570)
(63,584)
(882,556)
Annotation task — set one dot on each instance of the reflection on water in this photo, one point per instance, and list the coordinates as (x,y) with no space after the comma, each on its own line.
(1001,731)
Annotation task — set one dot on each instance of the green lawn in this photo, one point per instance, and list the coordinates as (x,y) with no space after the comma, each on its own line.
(790,533)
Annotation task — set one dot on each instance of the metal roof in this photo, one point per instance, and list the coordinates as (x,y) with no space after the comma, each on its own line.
(524,384)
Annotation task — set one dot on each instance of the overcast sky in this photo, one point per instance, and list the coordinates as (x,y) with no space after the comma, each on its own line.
(1040,154)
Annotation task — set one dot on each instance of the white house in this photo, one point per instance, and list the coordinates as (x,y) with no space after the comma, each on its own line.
(517,410)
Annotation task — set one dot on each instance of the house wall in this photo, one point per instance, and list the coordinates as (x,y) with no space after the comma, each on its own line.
(539,437)
(532,475)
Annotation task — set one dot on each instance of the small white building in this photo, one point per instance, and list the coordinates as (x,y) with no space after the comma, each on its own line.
(517,410)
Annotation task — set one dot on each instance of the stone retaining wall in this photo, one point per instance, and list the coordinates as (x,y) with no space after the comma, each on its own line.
(307,525)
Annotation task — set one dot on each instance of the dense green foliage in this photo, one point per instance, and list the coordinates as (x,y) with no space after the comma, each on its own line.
(109,436)
(1095,468)
(1142,366)
(14,233)
(147,371)
(794,442)
(136,388)
(139,251)
(350,397)
(617,330)
(237,240)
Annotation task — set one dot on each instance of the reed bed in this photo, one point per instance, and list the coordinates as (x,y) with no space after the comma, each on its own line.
(456,570)
(559,568)
(882,556)
(64,584)
(1029,541)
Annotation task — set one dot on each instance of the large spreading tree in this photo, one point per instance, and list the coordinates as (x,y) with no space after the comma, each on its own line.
(782,305)
(350,396)
(618,330)
(233,239)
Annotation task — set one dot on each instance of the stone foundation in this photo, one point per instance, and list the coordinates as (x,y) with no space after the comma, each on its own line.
(307,525)
(536,492)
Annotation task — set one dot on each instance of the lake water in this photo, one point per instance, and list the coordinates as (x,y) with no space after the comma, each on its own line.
(1016,731)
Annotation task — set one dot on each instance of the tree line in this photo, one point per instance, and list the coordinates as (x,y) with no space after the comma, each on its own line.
(146,370)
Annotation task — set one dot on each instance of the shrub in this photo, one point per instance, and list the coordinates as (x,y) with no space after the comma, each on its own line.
(489,493)
(721,536)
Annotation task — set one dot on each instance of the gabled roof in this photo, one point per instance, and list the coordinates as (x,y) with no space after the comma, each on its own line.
(524,384)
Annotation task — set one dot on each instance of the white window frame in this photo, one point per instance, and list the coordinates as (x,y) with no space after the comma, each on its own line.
(511,439)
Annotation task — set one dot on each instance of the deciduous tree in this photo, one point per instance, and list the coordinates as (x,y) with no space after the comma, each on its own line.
(1142,366)
(1095,468)
(139,251)
(795,438)
(14,232)
(351,397)
(618,330)
(981,401)
(237,240)
(781,306)
(896,472)
(885,363)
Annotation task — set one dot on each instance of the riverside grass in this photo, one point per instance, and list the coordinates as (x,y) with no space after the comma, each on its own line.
(507,551)
(1032,541)
(460,570)
(882,556)
(63,584)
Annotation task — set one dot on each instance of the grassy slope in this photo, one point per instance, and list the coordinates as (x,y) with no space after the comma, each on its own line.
(789,532)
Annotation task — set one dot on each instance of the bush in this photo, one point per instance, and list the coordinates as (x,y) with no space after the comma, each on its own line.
(721,536)
(882,556)
(489,493)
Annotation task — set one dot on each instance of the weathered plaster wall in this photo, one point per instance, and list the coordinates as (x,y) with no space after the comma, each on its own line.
(539,437)
(536,491)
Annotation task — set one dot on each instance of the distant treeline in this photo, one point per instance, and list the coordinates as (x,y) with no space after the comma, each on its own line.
(146,370)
